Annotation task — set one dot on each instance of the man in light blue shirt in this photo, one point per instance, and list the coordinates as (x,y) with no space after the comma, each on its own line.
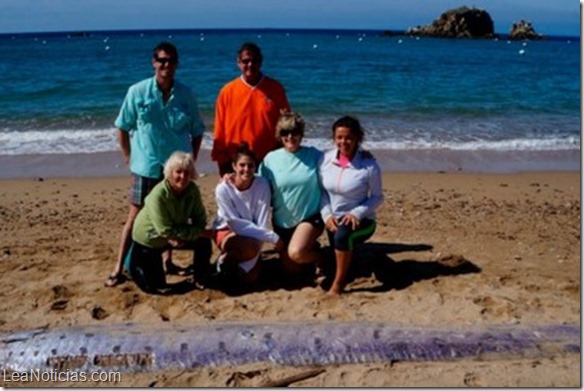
(159,116)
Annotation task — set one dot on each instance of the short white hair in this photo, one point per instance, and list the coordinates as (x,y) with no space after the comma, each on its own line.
(180,159)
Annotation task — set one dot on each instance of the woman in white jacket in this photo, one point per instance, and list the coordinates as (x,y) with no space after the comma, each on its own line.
(243,214)
(352,182)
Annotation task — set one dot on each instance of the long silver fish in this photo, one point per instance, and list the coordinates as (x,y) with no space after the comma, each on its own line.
(140,348)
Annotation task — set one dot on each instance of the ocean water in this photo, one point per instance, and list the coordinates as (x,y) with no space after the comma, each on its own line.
(61,93)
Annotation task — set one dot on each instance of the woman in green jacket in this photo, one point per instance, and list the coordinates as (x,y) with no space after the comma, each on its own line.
(173,217)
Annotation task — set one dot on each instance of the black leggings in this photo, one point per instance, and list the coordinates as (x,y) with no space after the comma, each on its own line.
(346,238)
(145,263)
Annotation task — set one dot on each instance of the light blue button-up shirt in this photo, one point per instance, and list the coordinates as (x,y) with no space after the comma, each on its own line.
(157,129)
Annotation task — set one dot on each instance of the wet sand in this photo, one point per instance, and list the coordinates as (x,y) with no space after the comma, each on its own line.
(110,164)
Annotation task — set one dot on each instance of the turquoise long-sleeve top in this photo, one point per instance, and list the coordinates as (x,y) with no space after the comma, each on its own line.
(166,215)
(293,178)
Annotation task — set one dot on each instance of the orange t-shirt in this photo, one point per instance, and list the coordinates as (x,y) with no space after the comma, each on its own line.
(247,113)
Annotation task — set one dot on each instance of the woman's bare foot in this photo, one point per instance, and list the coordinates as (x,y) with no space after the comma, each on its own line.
(335,290)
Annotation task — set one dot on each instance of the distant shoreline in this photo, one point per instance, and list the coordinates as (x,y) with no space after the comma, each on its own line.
(184,31)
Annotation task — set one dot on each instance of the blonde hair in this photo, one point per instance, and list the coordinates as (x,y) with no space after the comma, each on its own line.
(180,159)
(290,121)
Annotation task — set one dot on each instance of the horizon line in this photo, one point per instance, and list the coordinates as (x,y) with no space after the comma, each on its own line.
(87,32)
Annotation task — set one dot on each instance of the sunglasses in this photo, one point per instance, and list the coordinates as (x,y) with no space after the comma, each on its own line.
(286,133)
(248,61)
(165,60)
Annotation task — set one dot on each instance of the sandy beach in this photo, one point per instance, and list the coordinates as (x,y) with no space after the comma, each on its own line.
(518,235)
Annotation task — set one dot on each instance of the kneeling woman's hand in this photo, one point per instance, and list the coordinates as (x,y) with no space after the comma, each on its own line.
(350,219)
(176,243)
(332,224)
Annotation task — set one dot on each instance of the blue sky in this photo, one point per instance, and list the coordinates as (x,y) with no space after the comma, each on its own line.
(549,17)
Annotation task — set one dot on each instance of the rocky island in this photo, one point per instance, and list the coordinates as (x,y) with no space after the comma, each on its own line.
(465,22)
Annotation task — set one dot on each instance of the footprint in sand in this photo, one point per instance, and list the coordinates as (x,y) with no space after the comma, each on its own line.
(471,379)
(99,313)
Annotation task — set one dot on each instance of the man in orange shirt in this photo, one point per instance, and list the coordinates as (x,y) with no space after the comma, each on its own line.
(247,109)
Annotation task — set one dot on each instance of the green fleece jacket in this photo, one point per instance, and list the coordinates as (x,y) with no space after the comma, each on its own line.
(168,216)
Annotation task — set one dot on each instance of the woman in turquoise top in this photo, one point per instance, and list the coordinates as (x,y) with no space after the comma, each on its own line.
(292,172)
(173,217)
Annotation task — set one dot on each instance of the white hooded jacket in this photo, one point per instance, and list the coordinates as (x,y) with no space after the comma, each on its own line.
(354,189)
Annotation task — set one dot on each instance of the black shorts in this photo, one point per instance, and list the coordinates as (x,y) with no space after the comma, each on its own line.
(286,233)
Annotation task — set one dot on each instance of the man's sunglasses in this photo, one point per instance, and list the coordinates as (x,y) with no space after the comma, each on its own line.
(247,61)
(165,60)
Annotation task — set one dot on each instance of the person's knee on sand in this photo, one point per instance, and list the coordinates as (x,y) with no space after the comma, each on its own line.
(145,268)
